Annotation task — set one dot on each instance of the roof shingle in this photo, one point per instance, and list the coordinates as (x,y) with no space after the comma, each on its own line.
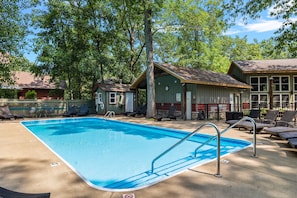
(28,80)
(199,76)
(267,66)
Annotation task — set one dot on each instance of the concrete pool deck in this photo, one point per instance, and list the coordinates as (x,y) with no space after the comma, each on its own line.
(26,165)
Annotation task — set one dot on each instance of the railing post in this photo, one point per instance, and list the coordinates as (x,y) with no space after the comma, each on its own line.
(218,112)
(254,132)
(218,174)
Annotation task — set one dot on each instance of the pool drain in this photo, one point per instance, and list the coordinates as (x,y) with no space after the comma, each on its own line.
(54,164)
(129,196)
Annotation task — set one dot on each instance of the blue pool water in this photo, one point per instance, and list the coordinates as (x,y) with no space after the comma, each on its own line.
(117,156)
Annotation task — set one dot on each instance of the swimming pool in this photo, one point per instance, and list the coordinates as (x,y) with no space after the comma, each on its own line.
(116,156)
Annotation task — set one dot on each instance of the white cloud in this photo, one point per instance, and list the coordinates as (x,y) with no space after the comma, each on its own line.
(232,31)
(262,26)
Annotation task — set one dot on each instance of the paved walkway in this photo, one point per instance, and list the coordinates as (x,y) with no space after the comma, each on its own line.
(28,166)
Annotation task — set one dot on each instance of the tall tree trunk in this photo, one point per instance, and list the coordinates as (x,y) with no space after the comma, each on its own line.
(150,80)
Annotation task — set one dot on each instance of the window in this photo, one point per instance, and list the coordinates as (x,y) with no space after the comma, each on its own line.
(178,97)
(263,101)
(281,83)
(254,101)
(276,101)
(259,83)
(285,101)
(281,100)
(112,98)
(259,99)
(100,98)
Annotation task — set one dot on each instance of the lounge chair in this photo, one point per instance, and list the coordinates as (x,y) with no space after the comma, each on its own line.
(269,120)
(285,124)
(83,110)
(139,111)
(254,113)
(71,111)
(288,135)
(6,114)
(5,117)
(170,115)
(5,193)
(293,142)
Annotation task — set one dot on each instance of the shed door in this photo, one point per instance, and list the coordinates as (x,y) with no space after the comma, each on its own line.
(189,105)
(129,102)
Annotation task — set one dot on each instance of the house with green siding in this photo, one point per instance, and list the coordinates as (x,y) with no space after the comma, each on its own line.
(115,97)
(194,90)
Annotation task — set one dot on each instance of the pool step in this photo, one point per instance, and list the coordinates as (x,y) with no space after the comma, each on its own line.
(160,173)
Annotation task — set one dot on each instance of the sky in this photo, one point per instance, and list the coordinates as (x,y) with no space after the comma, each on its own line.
(260,29)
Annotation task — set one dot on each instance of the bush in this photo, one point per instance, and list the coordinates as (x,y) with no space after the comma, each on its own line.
(31,94)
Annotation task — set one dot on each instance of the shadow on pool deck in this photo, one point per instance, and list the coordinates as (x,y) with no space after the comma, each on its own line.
(28,166)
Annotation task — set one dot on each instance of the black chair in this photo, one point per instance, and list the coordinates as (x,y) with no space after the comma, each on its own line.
(83,110)
(170,115)
(254,113)
(71,111)
(139,111)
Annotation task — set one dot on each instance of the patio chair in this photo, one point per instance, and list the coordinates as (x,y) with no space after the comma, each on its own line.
(170,115)
(139,111)
(254,113)
(71,111)
(5,193)
(5,117)
(234,115)
(83,110)
(269,120)
(285,124)
(6,114)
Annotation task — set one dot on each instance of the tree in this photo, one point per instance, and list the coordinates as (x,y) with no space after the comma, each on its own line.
(192,35)
(150,79)
(74,43)
(13,30)
(129,44)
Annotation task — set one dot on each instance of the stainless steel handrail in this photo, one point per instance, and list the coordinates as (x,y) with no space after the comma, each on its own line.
(219,141)
(218,136)
(254,132)
(109,114)
(182,140)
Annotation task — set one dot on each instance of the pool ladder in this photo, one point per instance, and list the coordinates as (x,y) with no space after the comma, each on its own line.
(109,114)
(218,136)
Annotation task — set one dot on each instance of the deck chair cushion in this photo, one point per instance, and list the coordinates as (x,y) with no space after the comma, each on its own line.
(5,193)
(288,135)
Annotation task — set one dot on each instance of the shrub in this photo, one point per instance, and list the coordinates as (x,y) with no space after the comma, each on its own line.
(31,94)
